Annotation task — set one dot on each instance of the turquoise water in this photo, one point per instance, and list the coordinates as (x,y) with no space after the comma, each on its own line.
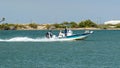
(100,50)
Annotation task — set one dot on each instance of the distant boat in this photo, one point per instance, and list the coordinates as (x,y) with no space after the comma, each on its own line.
(68,35)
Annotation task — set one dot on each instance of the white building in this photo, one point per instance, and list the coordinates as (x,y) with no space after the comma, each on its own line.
(113,22)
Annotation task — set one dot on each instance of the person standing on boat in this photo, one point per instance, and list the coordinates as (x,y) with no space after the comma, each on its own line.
(66,31)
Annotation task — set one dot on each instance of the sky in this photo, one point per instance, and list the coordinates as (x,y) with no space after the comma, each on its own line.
(58,11)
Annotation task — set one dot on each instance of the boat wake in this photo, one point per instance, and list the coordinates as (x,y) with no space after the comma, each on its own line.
(27,39)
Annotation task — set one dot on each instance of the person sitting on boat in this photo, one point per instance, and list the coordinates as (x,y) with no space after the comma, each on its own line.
(87,31)
(49,34)
(69,33)
(61,34)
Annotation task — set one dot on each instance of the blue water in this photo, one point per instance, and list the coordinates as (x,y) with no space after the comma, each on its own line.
(99,50)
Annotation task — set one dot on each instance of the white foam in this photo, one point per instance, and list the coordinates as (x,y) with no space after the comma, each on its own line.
(27,39)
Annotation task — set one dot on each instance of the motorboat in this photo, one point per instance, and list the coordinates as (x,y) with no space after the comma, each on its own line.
(68,35)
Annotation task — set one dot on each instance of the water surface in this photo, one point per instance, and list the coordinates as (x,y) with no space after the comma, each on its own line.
(100,50)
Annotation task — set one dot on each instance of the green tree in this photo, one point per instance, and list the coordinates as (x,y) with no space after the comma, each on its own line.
(87,23)
(33,25)
(117,25)
(5,26)
(73,25)
(3,19)
(57,25)
(103,26)
(48,26)
(64,24)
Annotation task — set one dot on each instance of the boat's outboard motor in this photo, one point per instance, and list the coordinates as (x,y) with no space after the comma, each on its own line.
(49,35)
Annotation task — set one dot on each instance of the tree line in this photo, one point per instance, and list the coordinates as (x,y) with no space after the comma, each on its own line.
(82,24)
(6,26)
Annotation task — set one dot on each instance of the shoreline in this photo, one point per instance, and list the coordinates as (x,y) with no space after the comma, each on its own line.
(46,27)
(75,29)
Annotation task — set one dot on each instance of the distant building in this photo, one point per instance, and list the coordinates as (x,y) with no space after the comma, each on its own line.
(112,22)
